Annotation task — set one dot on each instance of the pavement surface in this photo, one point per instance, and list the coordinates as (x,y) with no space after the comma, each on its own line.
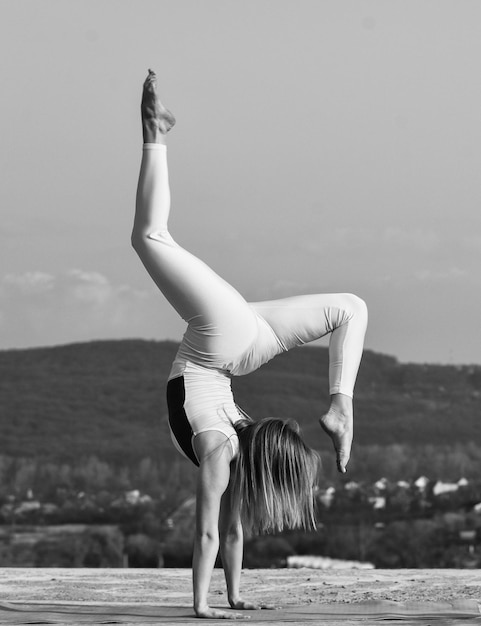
(286,588)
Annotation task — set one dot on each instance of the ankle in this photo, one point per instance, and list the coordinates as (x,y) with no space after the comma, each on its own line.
(152,134)
(340,403)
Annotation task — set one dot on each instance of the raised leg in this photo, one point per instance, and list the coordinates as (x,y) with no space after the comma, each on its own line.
(220,320)
(302,319)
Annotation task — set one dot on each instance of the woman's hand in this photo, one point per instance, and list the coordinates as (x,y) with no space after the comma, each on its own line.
(209,613)
(244,605)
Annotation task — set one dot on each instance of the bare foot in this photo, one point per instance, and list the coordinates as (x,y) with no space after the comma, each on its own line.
(338,424)
(155,117)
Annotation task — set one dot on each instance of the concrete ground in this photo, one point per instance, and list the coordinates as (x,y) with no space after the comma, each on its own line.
(281,587)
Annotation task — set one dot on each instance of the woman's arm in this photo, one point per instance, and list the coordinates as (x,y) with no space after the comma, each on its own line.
(215,454)
(231,549)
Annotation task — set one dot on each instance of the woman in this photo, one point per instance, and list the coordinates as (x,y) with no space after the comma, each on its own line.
(260,472)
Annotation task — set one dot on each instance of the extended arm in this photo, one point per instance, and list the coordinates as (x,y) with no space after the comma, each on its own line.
(231,549)
(214,452)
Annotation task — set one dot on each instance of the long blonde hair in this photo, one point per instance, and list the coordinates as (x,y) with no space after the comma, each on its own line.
(274,476)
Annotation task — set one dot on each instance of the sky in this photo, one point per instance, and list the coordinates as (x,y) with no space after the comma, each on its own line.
(320,146)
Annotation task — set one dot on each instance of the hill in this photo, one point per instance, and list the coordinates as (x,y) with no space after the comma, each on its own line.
(106,399)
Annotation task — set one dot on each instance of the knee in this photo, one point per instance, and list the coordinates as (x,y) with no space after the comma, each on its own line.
(357,305)
(135,239)
(139,241)
(142,238)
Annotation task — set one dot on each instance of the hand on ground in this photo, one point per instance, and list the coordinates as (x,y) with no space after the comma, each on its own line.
(244,605)
(209,613)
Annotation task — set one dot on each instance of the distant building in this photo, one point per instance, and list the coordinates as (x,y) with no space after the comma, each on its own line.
(441,488)
(421,483)
(325,562)
(378,502)
(381,484)
(326,496)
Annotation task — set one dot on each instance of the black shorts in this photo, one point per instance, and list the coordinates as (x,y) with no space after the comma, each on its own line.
(180,428)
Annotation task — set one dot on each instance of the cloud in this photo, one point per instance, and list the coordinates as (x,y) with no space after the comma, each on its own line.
(95,290)
(27,283)
(411,238)
(37,308)
(452,273)
(390,238)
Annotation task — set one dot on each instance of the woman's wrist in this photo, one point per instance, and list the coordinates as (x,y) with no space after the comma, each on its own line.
(200,607)
(233,600)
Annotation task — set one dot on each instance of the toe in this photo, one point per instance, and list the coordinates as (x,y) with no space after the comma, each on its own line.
(151,79)
(342,460)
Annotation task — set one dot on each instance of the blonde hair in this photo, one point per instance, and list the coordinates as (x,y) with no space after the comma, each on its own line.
(274,476)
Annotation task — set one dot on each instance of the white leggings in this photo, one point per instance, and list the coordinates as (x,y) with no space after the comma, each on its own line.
(224,331)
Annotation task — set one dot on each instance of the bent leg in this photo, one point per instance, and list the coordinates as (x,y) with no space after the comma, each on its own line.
(302,319)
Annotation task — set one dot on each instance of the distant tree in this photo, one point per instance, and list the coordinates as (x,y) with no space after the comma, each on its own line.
(103,548)
(267,551)
(402,544)
(94,547)
(26,470)
(143,551)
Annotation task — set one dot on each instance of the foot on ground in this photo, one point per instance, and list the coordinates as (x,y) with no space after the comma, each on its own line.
(339,426)
(155,117)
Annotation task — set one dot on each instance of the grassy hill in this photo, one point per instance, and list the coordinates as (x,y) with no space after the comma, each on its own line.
(106,399)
